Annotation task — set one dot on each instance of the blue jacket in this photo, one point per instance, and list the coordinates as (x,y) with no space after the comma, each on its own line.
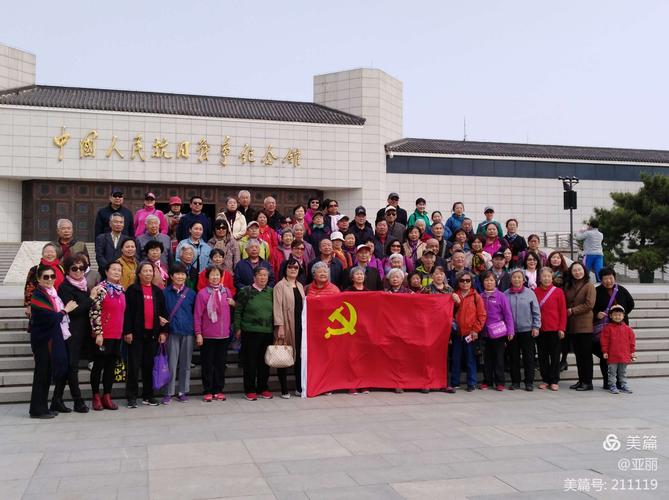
(182,321)
(244,273)
(454,222)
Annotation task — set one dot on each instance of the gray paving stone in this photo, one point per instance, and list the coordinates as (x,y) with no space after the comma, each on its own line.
(372,492)
(337,464)
(294,448)
(13,489)
(452,488)
(176,456)
(367,443)
(78,468)
(435,457)
(18,466)
(401,474)
(524,451)
(534,495)
(301,482)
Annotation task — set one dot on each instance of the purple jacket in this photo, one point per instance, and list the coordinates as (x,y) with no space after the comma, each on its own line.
(498,308)
(203,324)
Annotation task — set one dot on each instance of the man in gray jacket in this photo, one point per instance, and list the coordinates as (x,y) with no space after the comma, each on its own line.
(592,239)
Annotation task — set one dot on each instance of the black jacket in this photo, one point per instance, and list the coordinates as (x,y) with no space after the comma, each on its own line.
(102,220)
(80,323)
(372,280)
(188,219)
(402,216)
(623,298)
(105,251)
(134,311)
(336,271)
(361,235)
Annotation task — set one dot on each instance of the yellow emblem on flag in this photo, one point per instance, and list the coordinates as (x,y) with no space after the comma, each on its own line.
(347,325)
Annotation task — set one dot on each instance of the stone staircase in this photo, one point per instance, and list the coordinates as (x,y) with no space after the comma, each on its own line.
(7,253)
(650,321)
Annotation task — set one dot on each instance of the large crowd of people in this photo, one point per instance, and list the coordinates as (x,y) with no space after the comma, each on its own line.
(179,281)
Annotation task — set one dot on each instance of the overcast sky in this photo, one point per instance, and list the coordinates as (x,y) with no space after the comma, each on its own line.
(570,72)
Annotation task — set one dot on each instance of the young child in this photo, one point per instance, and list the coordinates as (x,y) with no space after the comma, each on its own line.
(618,346)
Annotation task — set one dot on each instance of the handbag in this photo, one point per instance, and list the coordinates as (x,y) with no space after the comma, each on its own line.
(599,324)
(161,368)
(119,370)
(279,355)
(497,330)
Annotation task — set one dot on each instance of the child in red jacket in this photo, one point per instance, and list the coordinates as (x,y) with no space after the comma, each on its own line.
(618,346)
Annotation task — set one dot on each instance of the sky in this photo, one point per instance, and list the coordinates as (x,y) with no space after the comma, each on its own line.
(590,73)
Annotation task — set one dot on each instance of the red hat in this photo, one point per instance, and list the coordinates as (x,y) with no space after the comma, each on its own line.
(175,200)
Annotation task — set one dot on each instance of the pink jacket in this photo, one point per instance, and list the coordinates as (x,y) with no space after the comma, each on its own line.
(203,324)
(140,219)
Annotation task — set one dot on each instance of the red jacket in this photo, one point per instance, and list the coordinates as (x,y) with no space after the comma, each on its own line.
(553,311)
(619,342)
(470,313)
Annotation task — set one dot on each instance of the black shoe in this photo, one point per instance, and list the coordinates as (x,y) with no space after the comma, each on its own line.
(49,414)
(584,387)
(471,388)
(150,402)
(514,387)
(80,406)
(529,387)
(132,403)
(564,366)
(576,386)
(425,391)
(57,405)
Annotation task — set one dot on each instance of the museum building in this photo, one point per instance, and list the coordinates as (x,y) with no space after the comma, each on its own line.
(63,148)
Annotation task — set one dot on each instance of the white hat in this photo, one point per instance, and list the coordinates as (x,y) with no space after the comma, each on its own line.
(336,235)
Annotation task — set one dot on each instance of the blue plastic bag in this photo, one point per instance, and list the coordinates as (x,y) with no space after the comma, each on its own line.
(161,368)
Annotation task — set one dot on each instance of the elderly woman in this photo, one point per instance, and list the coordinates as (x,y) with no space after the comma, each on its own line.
(461,238)
(223,240)
(478,260)
(413,246)
(254,326)
(49,328)
(245,268)
(297,248)
(558,265)
(107,314)
(533,242)
(494,242)
(235,219)
(266,233)
(395,282)
(298,234)
(527,322)
(608,294)
(553,308)
(128,261)
(212,333)
(392,249)
(75,288)
(282,251)
(144,327)
(288,303)
(49,259)
(531,266)
(439,283)
(517,243)
(580,295)
(357,275)
(299,216)
(470,317)
(154,251)
(321,284)
(216,259)
(202,250)
(499,329)
(186,256)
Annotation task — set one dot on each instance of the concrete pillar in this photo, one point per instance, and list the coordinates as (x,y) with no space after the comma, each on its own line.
(17,68)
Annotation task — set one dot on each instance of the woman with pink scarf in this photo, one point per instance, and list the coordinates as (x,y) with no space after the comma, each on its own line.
(212,333)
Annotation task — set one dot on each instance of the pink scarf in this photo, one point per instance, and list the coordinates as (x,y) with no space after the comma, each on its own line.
(214,302)
(59,306)
(80,284)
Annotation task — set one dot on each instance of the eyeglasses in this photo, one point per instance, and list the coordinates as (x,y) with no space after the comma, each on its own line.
(465,280)
(221,228)
(391,214)
(196,203)
(332,205)
(48,277)
(77,268)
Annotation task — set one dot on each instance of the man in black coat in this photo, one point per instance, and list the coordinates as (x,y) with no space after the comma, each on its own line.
(372,277)
(115,206)
(108,245)
(334,265)
(394,201)
(195,215)
(361,228)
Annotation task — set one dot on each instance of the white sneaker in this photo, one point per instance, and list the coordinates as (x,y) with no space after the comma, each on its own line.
(298,394)
(285,396)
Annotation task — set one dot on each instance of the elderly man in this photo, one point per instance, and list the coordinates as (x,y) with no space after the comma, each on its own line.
(253,233)
(108,244)
(243,274)
(372,277)
(432,245)
(66,245)
(394,202)
(149,209)
(380,238)
(195,215)
(244,200)
(396,229)
(153,233)
(273,216)
(115,206)
(335,268)
(361,229)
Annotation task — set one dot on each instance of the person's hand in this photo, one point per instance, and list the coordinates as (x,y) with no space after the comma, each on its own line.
(162,320)
(27,312)
(569,312)
(128,338)
(162,338)
(95,291)
(475,336)
(601,315)
(99,339)
(71,306)
(633,356)
(509,337)
(535,332)
(199,340)
(456,298)
(280,333)
(605,355)
(238,334)
(231,302)
(561,334)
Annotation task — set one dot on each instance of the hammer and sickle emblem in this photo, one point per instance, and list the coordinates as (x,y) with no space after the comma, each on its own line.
(347,325)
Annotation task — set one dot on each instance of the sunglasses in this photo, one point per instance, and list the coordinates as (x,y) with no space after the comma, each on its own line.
(333,205)
(293,267)
(467,280)
(48,277)
(77,268)
(117,195)
(197,203)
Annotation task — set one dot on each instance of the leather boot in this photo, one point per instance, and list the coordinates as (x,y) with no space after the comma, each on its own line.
(97,402)
(80,406)
(58,405)
(108,403)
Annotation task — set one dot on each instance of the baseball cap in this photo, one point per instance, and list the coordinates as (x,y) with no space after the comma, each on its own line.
(252,223)
(318,212)
(343,217)
(175,200)
(360,210)
(498,254)
(394,195)
(390,208)
(337,235)
(361,247)
(488,209)
(149,195)
(429,252)
(117,190)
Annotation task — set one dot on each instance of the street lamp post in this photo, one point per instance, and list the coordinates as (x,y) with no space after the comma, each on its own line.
(570,204)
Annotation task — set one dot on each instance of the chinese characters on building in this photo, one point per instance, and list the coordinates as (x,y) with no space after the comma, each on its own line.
(162,149)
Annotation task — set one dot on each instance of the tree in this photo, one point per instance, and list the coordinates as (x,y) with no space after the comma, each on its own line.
(636,229)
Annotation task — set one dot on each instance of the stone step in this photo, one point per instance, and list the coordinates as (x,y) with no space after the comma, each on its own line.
(11,302)
(650,313)
(648,322)
(12,312)
(13,323)
(650,304)
(643,357)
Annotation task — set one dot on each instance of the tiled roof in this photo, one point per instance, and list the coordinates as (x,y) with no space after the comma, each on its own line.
(176,104)
(503,149)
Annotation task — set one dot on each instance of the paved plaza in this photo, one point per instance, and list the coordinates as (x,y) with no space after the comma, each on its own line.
(382,445)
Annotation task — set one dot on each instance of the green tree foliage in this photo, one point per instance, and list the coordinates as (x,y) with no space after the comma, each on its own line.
(636,229)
